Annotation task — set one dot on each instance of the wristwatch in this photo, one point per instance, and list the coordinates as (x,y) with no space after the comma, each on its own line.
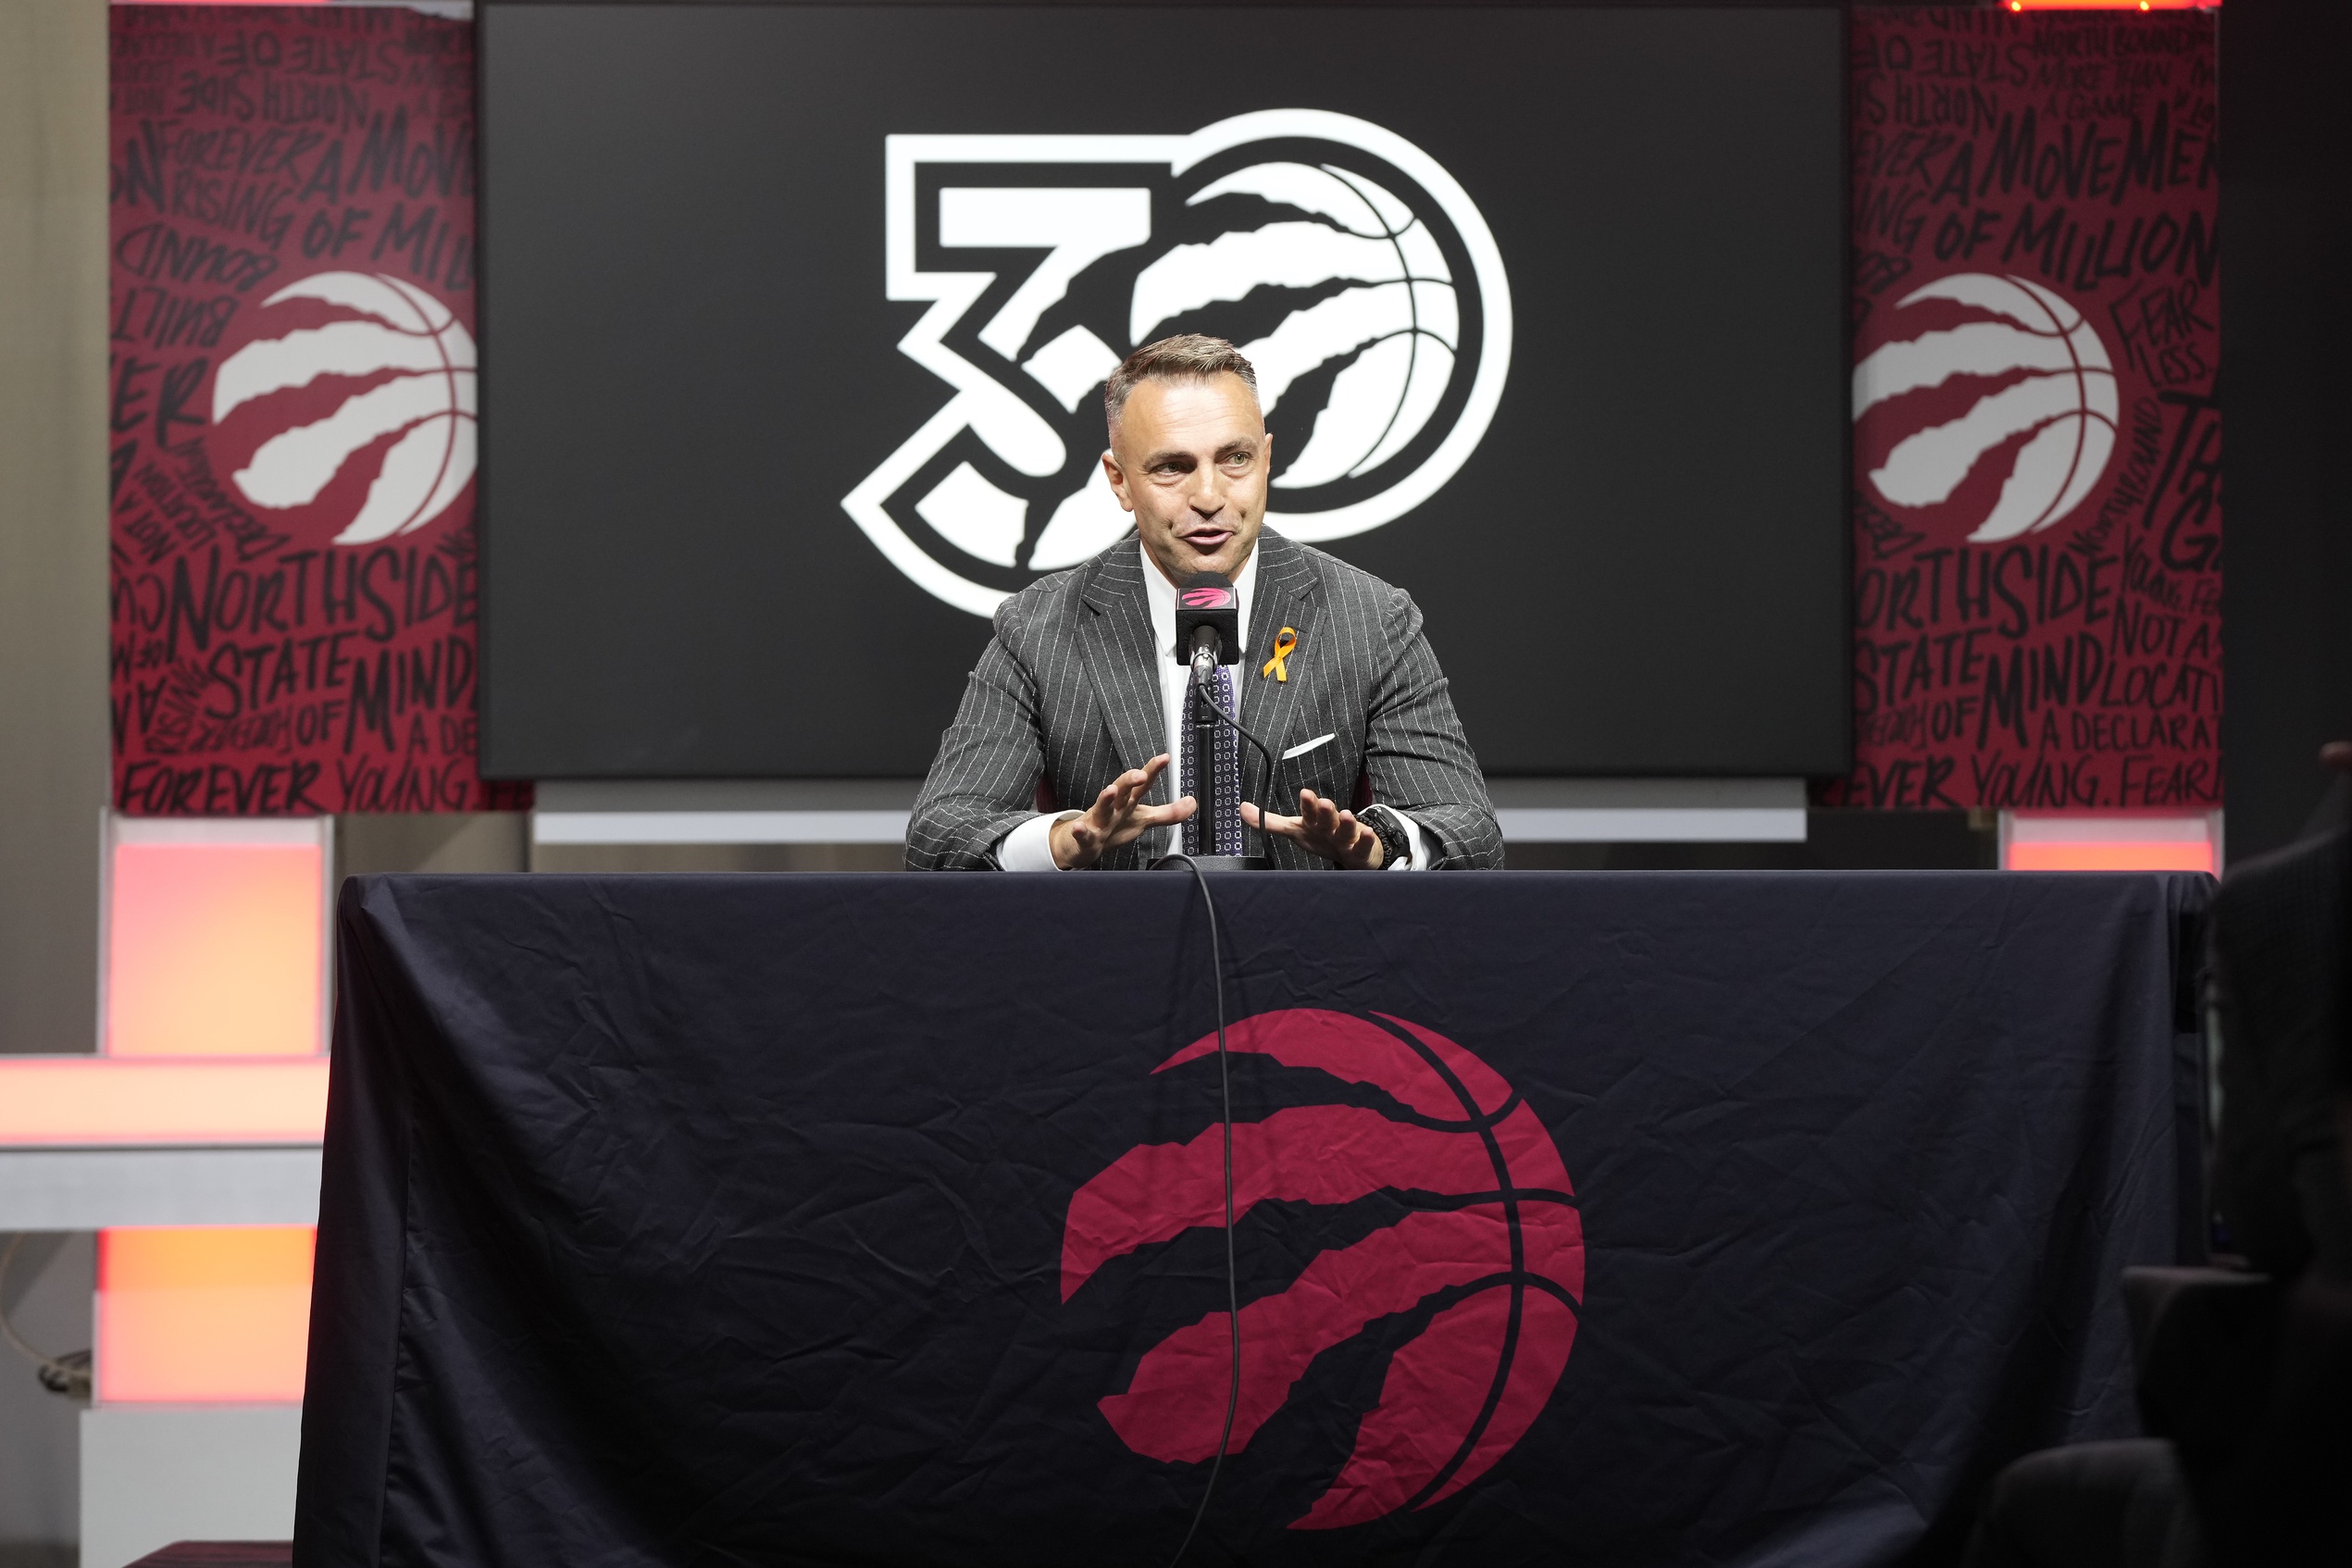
(1396,844)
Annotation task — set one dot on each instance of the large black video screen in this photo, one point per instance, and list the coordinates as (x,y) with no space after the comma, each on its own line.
(795,318)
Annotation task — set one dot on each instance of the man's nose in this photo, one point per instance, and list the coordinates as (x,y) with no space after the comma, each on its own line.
(1208,491)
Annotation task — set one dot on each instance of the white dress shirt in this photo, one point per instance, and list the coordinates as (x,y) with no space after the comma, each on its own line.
(1029,846)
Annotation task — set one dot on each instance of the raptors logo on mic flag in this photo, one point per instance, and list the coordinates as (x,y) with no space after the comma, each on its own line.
(2036,411)
(293,413)
(1350,267)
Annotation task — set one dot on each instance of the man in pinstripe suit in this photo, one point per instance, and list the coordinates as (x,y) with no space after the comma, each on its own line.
(1078,695)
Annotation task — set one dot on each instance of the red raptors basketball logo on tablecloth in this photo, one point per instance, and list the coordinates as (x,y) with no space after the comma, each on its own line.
(1494,1244)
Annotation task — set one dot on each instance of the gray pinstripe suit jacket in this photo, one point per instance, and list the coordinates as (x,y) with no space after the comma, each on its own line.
(1068,693)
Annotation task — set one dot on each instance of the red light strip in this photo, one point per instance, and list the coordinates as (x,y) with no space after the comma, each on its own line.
(100,1102)
(2113,855)
(2057,842)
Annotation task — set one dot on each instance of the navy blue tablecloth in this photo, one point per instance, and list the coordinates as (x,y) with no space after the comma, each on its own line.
(1585,1218)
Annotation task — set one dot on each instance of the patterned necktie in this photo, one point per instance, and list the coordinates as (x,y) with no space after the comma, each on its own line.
(1226,757)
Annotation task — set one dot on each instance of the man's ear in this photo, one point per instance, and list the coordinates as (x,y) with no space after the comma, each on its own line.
(1118,477)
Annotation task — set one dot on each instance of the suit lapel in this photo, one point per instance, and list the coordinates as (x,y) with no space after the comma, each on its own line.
(1288,595)
(1122,662)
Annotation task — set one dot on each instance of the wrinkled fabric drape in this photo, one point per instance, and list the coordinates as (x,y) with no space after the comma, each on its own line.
(671,1220)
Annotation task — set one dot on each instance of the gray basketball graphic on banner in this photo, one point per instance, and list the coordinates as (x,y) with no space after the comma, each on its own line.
(2013,380)
(1354,271)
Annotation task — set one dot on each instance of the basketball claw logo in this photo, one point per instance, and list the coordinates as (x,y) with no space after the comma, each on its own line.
(2003,384)
(1493,1248)
(388,368)
(1351,269)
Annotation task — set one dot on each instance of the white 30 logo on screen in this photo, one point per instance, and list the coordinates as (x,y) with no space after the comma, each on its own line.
(2013,372)
(399,364)
(1352,270)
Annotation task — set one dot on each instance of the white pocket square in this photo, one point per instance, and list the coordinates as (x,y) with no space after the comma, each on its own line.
(1304,747)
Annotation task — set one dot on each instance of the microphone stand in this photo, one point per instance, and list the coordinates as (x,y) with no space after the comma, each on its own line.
(1204,736)
(1204,716)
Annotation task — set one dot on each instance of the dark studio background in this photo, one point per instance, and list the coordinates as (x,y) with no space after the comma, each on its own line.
(1641,570)
(2286,328)
(2288,581)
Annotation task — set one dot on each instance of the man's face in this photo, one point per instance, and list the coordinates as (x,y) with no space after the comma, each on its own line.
(1189,459)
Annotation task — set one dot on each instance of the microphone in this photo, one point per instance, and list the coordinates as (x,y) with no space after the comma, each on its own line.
(1208,618)
(1204,656)
(1208,630)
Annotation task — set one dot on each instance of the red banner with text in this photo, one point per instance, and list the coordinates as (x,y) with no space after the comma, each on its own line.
(2037,435)
(294,582)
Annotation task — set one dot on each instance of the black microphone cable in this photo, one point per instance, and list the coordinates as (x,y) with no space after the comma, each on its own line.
(1232,1273)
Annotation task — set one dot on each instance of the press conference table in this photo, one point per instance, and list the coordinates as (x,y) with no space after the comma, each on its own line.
(1584,1217)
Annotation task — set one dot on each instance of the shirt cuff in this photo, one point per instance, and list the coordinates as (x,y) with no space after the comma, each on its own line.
(1425,850)
(1029,846)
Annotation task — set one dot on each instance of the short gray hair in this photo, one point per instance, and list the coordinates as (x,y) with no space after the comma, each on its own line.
(1188,356)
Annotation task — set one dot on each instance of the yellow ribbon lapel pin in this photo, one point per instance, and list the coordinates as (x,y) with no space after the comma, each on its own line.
(1285,642)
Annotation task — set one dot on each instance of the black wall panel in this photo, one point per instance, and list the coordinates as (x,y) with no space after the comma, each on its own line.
(691,359)
(2287,335)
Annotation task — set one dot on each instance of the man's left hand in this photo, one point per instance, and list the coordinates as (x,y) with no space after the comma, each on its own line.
(1321,828)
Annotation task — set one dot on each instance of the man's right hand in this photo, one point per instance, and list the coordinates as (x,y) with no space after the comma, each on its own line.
(1117,817)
